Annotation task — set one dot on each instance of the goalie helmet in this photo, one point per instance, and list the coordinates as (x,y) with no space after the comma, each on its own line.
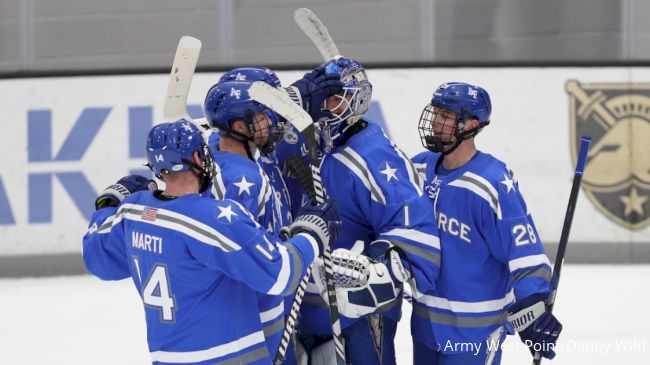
(171,146)
(354,101)
(251,74)
(452,105)
(229,101)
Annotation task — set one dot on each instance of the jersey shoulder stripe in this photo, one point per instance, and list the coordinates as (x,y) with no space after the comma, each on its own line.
(174,221)
(414,177)
(358,166)
(481,187)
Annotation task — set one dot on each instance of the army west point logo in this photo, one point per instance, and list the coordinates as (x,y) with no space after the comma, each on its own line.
(617,175)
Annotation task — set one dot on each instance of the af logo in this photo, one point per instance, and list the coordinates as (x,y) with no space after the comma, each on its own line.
(433,189)
(290,136)
(617,175)
(235,92)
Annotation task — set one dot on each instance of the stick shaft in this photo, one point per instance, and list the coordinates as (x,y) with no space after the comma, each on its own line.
(566,229)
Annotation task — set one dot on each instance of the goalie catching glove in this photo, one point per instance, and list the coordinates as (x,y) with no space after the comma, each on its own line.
(363,285)
(538,328)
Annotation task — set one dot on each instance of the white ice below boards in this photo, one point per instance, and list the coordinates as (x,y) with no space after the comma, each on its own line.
(80,320)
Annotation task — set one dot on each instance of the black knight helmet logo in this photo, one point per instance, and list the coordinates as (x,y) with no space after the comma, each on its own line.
(617,174)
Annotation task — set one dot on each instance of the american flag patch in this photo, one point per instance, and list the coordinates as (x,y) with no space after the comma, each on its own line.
(149,214)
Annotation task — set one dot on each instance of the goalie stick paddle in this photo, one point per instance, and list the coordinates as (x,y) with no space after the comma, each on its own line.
(316,31)
(180,79)
(280,102)
(566,229)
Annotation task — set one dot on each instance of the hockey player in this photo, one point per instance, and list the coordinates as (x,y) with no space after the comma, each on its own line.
(247,129)
(196,262)
(382,206)
(247,135)
(493,260)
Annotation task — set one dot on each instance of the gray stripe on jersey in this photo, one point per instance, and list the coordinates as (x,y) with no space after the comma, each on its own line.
(199,230)
(465,322)
(297,264)
(480,185)
(378,197)
(417,181)
(108,223)
(275,327)
(246,358)
(540,272)
(196,229)
(415,250)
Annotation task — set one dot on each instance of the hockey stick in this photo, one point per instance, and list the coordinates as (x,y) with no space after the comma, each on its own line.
(316,31)
(566,228)
(180,79)
(280,102)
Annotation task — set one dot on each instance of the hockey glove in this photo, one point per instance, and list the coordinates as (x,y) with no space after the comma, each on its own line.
(363,286)
(538,328)
(321,221)
(113,195)
(311,91)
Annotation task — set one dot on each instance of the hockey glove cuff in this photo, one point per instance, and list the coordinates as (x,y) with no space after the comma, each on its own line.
(322,222)
(538,328)
(113,195)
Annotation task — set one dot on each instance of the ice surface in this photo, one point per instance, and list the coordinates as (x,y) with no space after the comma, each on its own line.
(82,320)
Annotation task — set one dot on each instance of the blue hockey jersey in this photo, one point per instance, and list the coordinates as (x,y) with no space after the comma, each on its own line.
(242,180)
(197,264)
(491,252)
(380,197)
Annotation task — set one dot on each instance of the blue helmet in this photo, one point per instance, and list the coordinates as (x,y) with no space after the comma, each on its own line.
(355,100)
(170,147)
(229,101)
(251,74)
(466,102)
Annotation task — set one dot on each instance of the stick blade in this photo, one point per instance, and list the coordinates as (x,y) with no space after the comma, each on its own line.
(180,78)
(317,32)
(280,102)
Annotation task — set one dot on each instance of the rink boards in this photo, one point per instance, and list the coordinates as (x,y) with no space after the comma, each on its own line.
(65,139)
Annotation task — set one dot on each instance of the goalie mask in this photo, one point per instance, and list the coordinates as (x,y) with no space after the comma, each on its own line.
(229,101)
(347,108)
(443,120)
(170,148)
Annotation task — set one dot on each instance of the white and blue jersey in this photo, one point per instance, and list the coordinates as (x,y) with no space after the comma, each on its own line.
(491,252)
(380,197)
(244,181)
(197,264)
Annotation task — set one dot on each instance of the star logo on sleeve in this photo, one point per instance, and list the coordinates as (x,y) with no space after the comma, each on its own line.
(226,212)
(508,182)
(389,172)
(244,186)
